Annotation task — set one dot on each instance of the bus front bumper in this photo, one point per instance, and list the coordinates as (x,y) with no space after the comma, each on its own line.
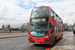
(39,42)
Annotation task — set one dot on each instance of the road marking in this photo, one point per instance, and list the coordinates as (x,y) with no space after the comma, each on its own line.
(21,45)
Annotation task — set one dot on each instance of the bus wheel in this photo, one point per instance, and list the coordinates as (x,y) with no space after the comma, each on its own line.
(55,39)
(61,36)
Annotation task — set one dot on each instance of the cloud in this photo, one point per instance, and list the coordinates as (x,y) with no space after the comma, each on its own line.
(17,12)
(11,13)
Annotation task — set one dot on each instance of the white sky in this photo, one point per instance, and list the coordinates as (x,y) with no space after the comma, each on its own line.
(17,12)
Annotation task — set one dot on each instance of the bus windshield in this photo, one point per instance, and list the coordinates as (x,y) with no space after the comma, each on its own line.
(38,30)
(40,12)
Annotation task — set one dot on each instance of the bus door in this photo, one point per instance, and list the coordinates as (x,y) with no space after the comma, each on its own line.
(52,33)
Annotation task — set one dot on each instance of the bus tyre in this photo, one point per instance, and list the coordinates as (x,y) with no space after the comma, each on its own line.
(61,36)
(55,39)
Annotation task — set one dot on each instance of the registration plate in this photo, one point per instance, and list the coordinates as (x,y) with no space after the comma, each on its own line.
(36,42)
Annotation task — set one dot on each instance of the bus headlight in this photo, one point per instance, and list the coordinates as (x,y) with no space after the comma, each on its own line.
(47,36)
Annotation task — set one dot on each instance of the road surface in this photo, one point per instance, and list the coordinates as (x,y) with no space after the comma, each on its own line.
(21,43)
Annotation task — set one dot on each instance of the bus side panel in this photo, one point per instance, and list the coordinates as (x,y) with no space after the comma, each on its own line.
(61,34)
(56,35)
(49,41)
(53,21)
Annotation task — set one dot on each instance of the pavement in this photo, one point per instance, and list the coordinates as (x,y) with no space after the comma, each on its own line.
(67,43)
(9,35)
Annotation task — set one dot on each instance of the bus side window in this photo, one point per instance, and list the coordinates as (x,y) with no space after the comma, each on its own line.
(55,17)
(61,29)
(52,13)
(58,19)
(55,30)
(58,29)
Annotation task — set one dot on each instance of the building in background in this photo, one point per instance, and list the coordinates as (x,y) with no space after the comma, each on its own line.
(70,27)
(2,27)
(73,25)
(24,27)
(8,28)
(65,26)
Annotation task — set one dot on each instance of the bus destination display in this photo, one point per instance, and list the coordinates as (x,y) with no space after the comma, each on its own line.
(39,20)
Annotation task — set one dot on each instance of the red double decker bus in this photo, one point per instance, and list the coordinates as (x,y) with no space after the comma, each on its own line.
(45,26)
